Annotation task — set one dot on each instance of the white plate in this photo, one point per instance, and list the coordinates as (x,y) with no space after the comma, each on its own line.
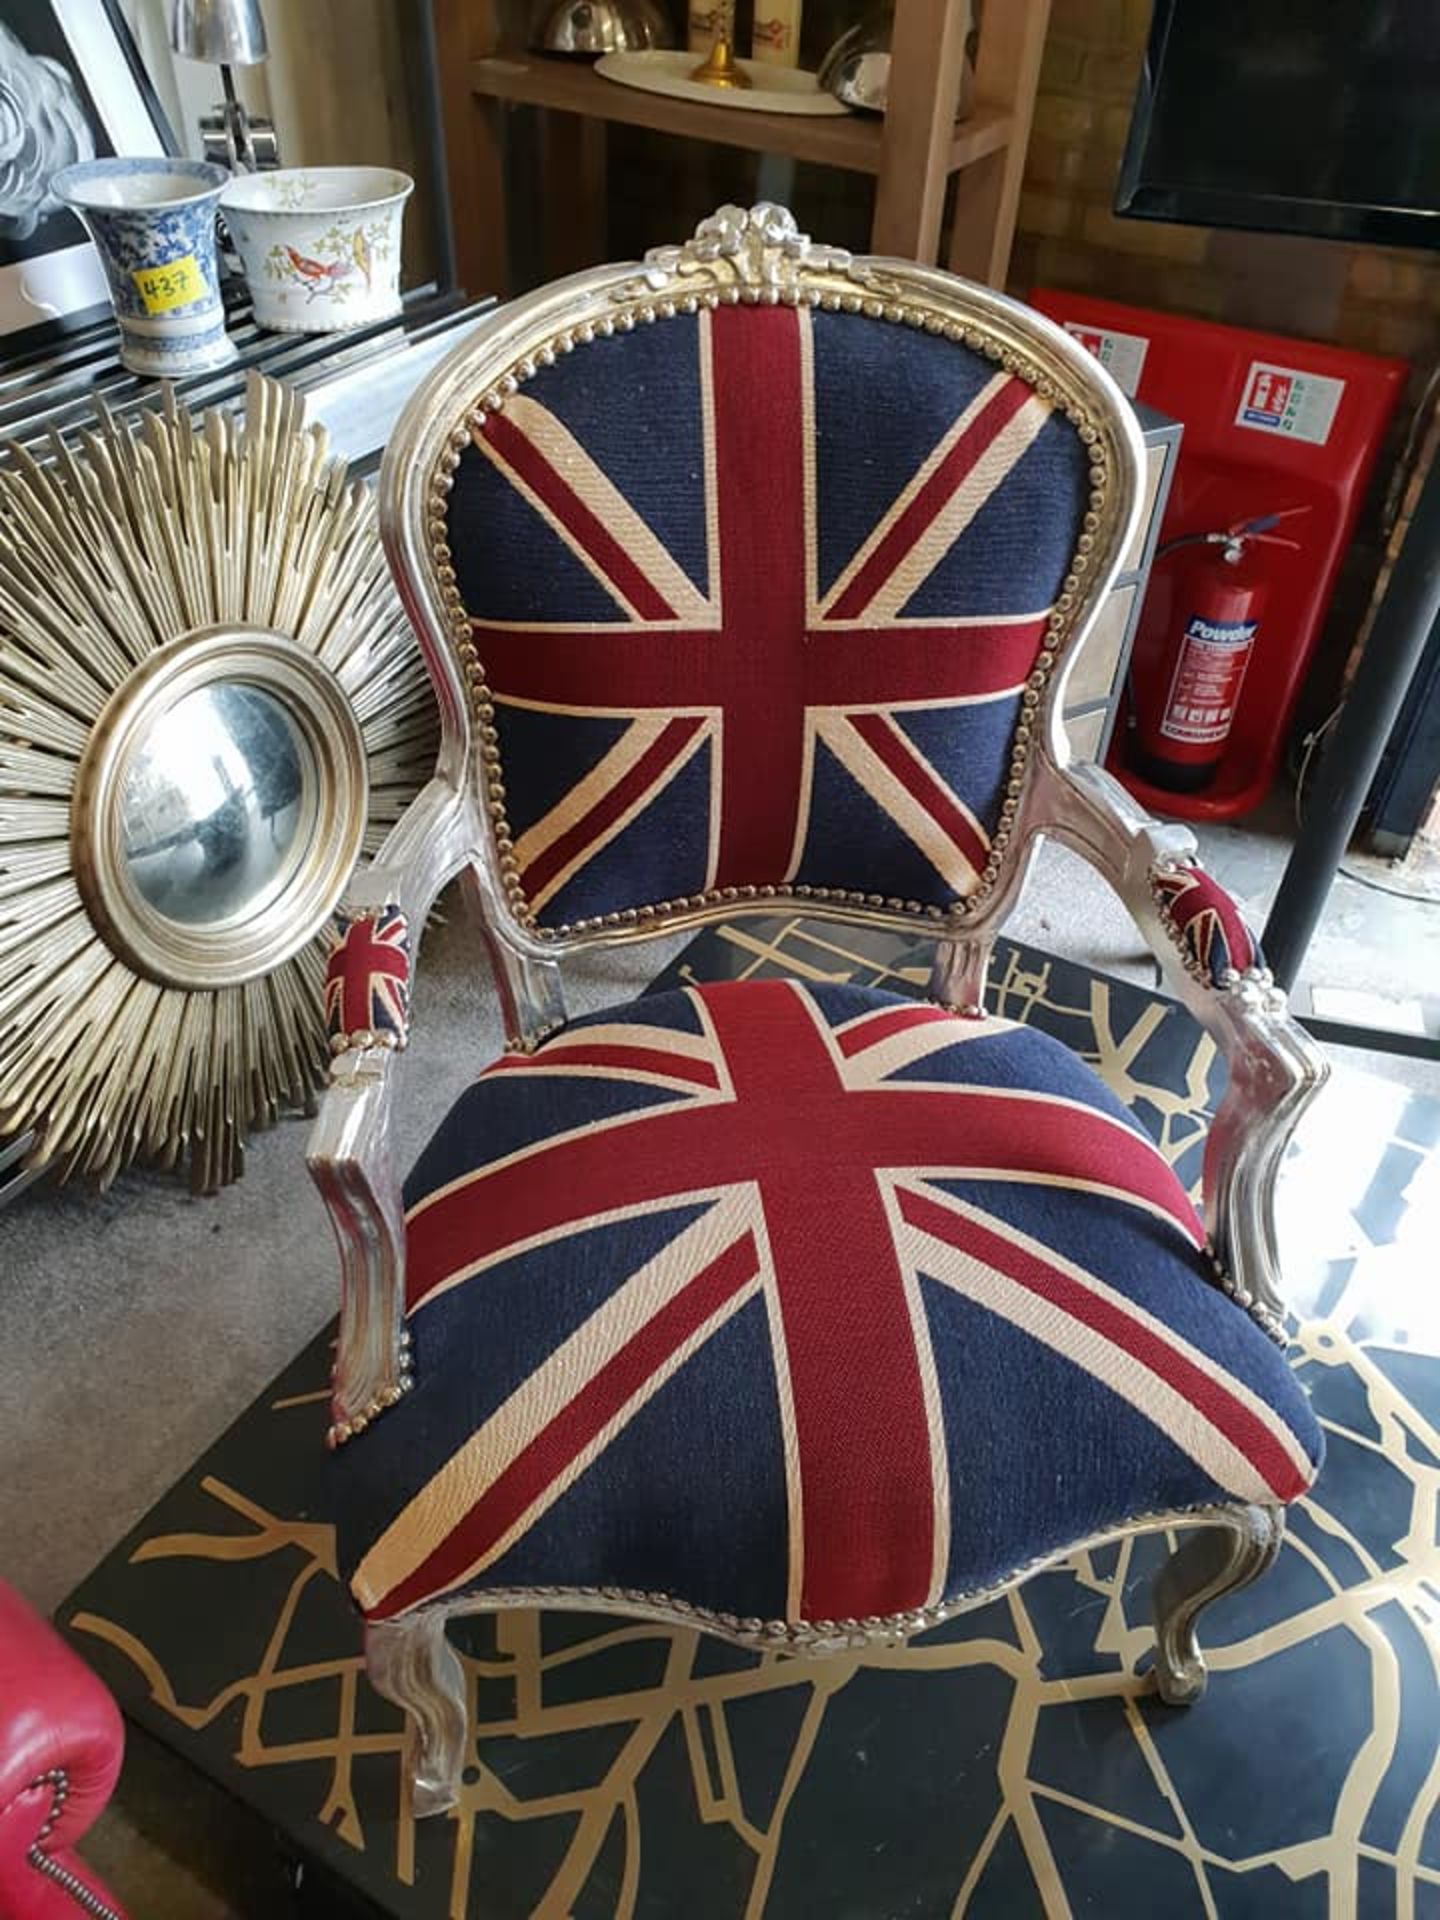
(775,89)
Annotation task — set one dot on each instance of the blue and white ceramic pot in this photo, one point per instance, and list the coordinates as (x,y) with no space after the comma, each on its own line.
(153,223)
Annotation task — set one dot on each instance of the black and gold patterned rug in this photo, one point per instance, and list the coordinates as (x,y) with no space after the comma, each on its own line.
(1011,1763)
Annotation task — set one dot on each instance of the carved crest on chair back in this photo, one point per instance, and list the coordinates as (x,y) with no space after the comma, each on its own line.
(748,247)
(758,565)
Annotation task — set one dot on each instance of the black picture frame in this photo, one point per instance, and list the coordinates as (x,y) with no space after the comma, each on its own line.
(51,281)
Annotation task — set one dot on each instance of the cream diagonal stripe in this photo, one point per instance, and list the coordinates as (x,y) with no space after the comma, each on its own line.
(871,1069)
(876,1063)
(618,1033)
(1062,1183)
(858,1075)
(563,1056)
(632,746)
(994,465)
(935,539)
(1136,1383)
(866,767)
(538,1148)
(938,456)
(558,1066)
(443,1503)
(593,486)
(595,788)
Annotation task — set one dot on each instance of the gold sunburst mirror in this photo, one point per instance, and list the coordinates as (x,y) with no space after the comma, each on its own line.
(211,703)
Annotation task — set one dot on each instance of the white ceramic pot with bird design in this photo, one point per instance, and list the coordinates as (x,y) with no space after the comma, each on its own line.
(320,245)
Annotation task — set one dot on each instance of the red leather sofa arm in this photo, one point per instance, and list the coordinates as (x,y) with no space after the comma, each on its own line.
(61,1744)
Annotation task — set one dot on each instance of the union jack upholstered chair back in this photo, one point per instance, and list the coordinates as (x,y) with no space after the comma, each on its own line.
(750,577)
(758,567)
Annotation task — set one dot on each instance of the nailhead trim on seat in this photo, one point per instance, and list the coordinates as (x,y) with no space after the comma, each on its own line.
(803,1639)
(1268,1322)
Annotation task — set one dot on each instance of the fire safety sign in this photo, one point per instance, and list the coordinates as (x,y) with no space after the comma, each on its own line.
(1284,400)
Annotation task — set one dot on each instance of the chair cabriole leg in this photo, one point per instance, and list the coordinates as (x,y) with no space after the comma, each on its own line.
(958,973)
(412,1663)
(1213,1560)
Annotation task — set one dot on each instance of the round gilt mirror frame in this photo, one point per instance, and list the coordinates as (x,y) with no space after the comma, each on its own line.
(241,946)
(146,564)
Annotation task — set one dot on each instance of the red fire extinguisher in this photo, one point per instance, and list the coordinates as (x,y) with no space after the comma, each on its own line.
(1185,687)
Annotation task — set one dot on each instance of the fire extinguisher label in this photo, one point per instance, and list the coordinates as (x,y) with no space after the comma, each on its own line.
(1302,406)
(1206,683)
(1121,354)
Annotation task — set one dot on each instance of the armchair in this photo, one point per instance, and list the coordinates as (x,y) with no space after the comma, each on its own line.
(749,578)
(61,1743)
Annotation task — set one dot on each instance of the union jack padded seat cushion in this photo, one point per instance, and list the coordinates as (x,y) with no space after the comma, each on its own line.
(798,1304)
(756,594)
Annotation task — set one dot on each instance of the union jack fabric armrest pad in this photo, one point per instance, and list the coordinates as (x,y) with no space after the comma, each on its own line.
(1217,944)
(793,1304)
(367,981)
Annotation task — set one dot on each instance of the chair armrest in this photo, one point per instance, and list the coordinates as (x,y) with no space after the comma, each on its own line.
(350,1153)
(351,1161)
(61,1744)
(367,1008)
(1217,971)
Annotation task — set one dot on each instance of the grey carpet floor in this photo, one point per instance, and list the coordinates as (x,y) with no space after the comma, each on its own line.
(135,1325)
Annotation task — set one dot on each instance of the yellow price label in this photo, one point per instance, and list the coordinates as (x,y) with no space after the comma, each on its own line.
(175,284)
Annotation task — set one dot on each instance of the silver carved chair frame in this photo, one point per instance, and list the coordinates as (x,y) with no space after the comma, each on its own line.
(1274,1068)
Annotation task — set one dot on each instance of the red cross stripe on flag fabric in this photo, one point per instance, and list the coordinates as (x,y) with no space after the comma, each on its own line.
(812,1152)
(762,668)
(367,977)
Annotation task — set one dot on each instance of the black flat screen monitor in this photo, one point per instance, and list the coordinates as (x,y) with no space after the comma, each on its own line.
(1290,116)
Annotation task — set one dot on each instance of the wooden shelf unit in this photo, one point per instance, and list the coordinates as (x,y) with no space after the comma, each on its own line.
(849,140)
(912,150)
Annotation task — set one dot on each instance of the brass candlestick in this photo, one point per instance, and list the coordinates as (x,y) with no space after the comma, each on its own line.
(720,69)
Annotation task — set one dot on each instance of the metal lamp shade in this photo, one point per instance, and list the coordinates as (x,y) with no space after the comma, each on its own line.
(229,33)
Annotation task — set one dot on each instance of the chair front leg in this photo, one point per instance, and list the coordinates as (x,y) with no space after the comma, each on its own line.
(1212,1561)
(412,1663)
